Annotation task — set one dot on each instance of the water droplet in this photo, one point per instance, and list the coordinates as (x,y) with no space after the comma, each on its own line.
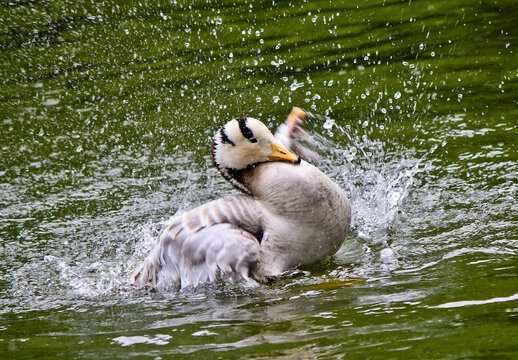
(387,256)
(397,95)
(328,124)
(295,85)
(50,102)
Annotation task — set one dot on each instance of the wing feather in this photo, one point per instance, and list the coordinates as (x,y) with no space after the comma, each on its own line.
(214,240)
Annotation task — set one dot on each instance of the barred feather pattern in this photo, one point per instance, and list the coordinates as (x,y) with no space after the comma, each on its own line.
(217,239)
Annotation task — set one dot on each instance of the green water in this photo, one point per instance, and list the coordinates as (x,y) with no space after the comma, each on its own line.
(106,114)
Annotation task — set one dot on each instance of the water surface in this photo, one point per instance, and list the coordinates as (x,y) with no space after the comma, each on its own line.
(106,114)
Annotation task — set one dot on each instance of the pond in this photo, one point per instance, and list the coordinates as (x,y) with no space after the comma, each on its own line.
(107,110)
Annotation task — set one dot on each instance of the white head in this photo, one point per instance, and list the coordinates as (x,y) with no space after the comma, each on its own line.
(243,143)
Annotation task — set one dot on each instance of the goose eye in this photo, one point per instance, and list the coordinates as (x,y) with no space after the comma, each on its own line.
(253,140)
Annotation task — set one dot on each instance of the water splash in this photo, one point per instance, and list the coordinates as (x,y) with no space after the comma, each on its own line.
(378,176)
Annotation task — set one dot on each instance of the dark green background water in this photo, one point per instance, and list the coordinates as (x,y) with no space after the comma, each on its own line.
(106,114)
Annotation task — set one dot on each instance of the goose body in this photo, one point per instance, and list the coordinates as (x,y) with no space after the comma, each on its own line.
(289,214)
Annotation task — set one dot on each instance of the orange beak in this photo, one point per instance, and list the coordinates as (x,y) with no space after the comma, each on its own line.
(280,153)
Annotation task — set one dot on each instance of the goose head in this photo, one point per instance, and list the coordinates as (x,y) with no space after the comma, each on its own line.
(243,143)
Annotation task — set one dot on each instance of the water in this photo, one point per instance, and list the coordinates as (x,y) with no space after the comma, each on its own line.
(106,114)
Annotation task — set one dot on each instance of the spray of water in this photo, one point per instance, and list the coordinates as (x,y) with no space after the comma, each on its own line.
(378,179)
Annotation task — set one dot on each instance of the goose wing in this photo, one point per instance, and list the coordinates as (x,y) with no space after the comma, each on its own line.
(217,239)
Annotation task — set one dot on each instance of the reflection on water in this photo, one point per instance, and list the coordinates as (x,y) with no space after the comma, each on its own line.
(160,339)
(107,110)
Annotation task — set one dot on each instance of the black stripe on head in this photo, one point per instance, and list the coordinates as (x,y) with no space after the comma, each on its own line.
(224,137)
(245,130)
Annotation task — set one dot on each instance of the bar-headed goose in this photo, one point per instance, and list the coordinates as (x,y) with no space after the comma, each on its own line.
(289,214)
